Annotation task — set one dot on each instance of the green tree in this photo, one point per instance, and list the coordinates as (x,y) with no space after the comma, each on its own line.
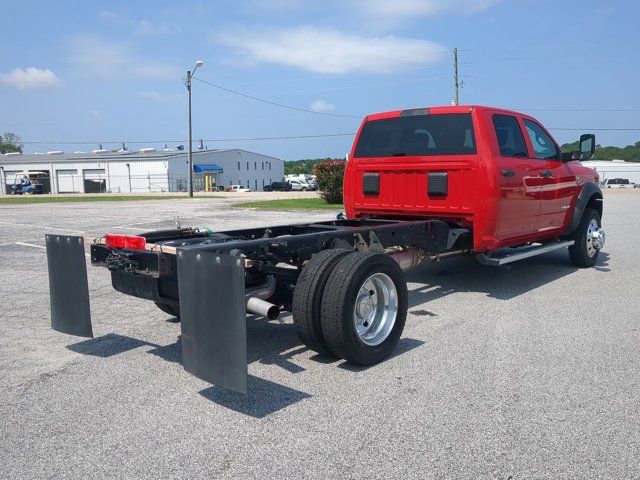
(10,142)
(296,167)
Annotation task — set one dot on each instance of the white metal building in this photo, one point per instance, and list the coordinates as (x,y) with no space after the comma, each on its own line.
(615,169)
(146,170)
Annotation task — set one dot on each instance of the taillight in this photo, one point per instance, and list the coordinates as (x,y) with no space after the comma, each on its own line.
(125,241)
(135,243)
(114,241)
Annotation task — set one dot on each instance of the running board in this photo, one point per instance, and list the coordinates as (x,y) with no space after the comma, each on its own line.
(499,257)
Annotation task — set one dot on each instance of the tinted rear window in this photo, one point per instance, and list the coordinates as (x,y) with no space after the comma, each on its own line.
(444,134)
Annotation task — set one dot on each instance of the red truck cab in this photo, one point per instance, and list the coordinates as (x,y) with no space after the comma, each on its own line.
(498,172)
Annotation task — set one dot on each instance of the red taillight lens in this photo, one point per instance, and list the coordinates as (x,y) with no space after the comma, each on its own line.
(135,243)
(124,241)
(114,241)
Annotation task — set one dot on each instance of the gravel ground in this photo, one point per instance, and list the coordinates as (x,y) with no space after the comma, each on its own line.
(530,372)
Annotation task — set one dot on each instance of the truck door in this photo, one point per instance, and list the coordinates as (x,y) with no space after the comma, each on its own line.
(518,179)
(558,181)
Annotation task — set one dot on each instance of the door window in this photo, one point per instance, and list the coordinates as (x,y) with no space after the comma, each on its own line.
(543,146)
(509,136)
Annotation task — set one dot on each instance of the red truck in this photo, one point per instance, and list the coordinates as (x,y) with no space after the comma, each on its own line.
(420,185)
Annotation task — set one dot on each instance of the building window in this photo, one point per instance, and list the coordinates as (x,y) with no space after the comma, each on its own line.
(255,165)
(248,184)
(263,165)
(269,165)
(238,166)
(247,166)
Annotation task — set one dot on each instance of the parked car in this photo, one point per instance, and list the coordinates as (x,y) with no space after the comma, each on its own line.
(238,188)
(299,185)
(618,183)
(278,187)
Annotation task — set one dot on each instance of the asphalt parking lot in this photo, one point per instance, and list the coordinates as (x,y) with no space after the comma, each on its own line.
(528,372)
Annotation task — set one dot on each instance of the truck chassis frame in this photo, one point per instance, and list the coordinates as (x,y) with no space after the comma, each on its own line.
(215,279)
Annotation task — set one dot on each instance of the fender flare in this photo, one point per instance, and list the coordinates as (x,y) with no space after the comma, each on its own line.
(588,191)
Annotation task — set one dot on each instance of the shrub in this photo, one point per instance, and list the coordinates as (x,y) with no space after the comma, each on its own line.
(329,176)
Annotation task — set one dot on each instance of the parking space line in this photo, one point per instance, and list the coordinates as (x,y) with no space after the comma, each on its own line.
(127,225)
(46,227)
(24,244)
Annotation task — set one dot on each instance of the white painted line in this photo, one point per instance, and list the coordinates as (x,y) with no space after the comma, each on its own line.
(127,225)
(46,227)
(24,244)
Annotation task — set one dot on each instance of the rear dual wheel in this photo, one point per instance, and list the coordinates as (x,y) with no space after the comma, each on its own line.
(357,311)
(169,309)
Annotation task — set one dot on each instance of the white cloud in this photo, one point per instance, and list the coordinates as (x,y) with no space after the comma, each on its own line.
(326,50)
(322,106)
(153,96)
(413,8)
(142,27)
(30,77)
(95,113)
(146,27)
(96,57)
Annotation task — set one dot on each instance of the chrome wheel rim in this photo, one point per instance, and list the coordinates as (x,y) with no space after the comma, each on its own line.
(593,228)
(375,309)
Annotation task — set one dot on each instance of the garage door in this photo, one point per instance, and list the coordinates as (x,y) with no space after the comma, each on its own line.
(68,181)
(94,180)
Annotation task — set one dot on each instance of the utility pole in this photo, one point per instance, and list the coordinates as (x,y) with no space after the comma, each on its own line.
(455,77)
(189,155)
(187,82)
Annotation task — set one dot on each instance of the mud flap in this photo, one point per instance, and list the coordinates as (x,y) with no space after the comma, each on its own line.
(68,287)
(213,318)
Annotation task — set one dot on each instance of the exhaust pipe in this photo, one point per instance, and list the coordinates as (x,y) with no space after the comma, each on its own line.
(412,257)
(256,300)
(263,308)
(408,258)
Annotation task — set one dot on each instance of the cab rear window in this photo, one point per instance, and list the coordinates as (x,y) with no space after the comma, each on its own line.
(440,134)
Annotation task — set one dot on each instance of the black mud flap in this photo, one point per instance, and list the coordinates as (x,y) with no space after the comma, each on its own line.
(213,318)
(68,287)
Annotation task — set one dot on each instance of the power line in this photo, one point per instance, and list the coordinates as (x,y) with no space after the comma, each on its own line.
(281,105)
(118,142)
(281,137)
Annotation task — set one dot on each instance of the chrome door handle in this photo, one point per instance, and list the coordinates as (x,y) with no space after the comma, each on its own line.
(508,173)
(546,173)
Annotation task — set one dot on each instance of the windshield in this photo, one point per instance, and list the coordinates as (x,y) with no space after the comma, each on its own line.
(440,134)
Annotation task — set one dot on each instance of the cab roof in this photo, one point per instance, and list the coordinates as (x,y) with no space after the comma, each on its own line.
(434,111)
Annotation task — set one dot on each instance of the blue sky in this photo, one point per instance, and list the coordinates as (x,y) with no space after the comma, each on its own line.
(110,71)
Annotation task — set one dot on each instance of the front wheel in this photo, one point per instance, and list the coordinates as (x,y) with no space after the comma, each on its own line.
(589,239)
(304,189)
(364,308)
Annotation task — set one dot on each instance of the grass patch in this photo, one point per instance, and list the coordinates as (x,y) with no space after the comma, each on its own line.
(11,199)
(292,204)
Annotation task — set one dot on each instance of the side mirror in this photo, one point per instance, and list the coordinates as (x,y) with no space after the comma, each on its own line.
(587,146)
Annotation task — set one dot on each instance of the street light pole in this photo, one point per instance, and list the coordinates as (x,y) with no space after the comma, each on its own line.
(187,82)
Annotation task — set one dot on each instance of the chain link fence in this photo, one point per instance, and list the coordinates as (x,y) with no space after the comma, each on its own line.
(101,183)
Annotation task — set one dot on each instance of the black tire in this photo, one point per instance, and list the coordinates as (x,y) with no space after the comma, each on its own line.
(307,298)
(304,189)
(169,309)
(338,304)
(579,251)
